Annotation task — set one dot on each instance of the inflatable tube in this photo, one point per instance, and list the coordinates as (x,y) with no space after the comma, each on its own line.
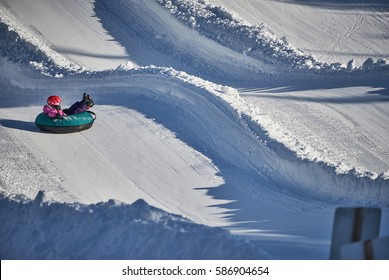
(67,124)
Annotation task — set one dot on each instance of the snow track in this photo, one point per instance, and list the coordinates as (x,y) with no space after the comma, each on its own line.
(193,149)
(252,161)
(24,170)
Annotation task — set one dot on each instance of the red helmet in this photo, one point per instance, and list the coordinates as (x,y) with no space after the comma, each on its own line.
(54,100)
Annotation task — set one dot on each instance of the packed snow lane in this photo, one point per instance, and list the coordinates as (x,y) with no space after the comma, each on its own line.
(125,156)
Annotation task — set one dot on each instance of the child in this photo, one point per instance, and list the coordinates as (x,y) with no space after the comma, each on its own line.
(80,106)
(53,107)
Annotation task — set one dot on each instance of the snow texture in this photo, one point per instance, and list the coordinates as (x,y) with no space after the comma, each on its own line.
(214,139)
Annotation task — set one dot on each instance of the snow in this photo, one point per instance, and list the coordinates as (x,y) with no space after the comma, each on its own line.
(211,129)
(331,31)
(137,228)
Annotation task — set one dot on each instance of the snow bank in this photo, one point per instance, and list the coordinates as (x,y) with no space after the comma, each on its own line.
(229,30)
(257,41)
(17,50)
(214,43)
(18,45)
(111,230)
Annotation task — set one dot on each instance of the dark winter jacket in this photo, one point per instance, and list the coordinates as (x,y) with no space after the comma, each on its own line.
(77,108)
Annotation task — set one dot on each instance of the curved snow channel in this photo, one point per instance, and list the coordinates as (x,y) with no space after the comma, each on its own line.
(167,137)
(134,151)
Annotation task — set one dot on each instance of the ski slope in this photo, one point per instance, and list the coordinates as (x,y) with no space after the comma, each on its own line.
(232,142)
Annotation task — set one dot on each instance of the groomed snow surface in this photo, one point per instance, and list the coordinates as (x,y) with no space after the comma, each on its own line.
(215,138)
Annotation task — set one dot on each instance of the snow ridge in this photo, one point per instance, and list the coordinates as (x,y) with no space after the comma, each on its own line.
(270,54)
(26,54)
(229,30)
(111,230)
(19,46)
(256,41)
